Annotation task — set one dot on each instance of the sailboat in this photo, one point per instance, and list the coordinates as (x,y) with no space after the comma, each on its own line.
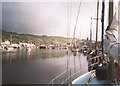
(108,72)
(105,69)
(75,48)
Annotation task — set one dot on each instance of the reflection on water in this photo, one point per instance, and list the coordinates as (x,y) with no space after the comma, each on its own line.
(38,66)
(23,54)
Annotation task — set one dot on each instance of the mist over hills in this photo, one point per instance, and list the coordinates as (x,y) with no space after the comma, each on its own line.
(30,38)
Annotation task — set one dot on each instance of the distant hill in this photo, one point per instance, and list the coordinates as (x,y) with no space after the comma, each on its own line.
(29,38)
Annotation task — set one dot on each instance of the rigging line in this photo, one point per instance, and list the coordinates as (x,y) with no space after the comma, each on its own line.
(69,17)
(68,26)
(77,19)
(74,64)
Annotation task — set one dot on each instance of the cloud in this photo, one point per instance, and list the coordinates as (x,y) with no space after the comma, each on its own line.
(38,18)
(49,18)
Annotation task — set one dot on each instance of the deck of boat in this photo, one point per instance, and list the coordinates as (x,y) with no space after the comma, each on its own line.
(87,80)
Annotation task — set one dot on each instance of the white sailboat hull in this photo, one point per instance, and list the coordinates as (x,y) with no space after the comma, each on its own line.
(83,79)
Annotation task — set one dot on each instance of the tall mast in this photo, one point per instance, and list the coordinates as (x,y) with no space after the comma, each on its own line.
(97,26)
(91,31)
(90,41)
(110,12)
(102,20)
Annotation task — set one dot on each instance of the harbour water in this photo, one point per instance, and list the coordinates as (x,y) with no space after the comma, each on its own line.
(40,66)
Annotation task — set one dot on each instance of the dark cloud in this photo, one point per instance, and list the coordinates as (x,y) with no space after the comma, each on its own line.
(36,18)
(49,18)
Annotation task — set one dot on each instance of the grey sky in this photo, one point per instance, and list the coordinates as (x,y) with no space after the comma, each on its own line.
(49,18)
(33,17)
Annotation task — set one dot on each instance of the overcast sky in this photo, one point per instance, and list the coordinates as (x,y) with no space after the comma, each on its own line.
(50,18)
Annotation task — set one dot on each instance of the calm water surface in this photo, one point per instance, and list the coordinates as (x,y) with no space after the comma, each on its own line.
(39,66)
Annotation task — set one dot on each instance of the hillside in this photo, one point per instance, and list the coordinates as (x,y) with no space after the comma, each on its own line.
(29,38)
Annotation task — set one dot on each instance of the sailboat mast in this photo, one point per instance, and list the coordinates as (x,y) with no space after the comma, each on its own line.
(97,26)
(110,12)
(102,20)
(91,31)
(90,41)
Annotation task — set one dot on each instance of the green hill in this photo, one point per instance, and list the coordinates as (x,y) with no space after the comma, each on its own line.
(29,38)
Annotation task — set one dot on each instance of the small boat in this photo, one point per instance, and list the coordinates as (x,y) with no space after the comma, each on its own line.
(29,49)
(8,49)
(75,50)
